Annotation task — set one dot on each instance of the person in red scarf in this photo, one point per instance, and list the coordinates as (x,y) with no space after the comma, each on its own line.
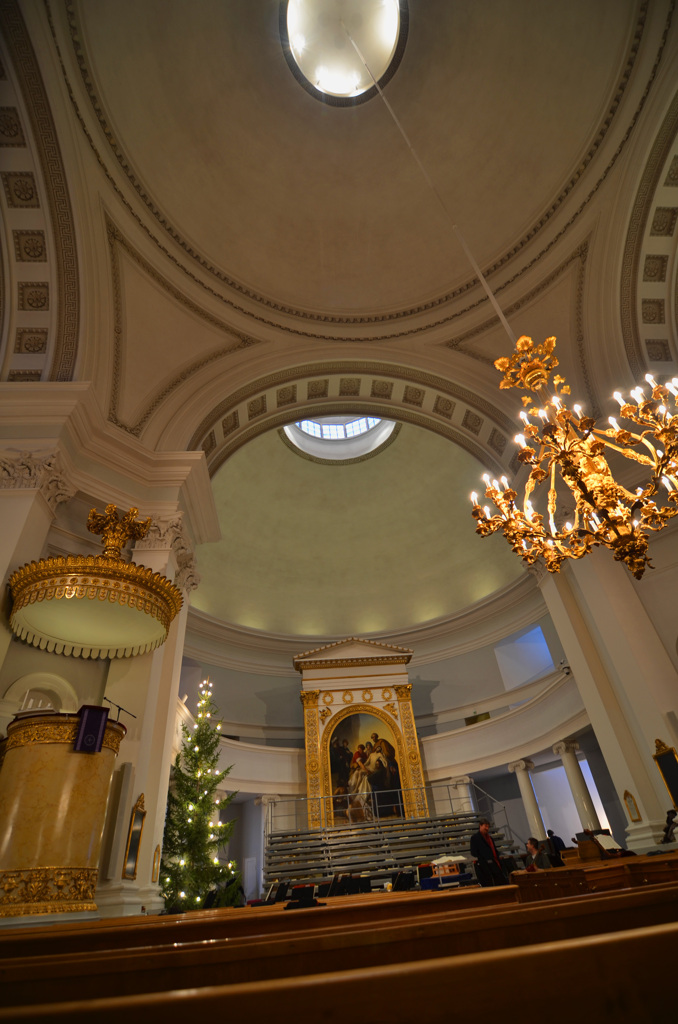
(487,862)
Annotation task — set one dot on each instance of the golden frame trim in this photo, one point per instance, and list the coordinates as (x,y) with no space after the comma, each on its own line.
(136,828)
(155,874)
(662,749)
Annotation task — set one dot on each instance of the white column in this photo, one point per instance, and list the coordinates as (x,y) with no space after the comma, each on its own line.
(464,800)
(148,687)
(625,677)
(522,770)
(567,752)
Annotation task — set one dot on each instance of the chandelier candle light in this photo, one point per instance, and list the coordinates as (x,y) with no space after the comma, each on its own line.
(558,441)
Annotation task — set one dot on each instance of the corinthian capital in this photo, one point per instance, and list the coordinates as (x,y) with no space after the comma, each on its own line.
(36,471)
(166,532)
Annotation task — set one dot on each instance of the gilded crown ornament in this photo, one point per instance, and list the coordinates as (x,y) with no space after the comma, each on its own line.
(121,609)
(566,451)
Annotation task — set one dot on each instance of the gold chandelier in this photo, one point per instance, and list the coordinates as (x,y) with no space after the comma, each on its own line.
(562,444)
(95,606)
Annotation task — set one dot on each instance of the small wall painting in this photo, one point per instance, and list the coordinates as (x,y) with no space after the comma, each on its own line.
(364,769)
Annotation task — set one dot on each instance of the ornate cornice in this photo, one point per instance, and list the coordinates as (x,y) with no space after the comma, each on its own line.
(400,655)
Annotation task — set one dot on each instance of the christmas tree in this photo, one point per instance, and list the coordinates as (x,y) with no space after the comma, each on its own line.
(191,874)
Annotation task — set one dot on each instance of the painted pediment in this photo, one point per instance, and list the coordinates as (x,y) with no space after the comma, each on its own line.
(353,650)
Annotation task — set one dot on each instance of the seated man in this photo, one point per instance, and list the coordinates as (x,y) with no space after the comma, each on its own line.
(488,864)
(537,858)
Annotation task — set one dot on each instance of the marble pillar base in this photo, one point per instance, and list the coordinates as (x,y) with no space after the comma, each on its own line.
(645,837)
(126,899)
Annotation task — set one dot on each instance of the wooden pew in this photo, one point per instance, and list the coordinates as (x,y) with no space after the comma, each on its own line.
(369,908)
(321,949)
(595,876)
(620,977)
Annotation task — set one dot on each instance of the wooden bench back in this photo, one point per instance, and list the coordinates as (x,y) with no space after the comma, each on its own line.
(620,977)
(322,949)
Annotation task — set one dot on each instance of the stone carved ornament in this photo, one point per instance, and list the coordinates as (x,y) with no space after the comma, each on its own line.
(36,471)
(169,532)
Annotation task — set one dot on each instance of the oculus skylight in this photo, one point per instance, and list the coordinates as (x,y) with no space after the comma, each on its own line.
(342,437)
(339,49)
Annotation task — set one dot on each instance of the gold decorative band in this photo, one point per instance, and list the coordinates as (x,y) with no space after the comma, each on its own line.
(96,578)
(47,891)
(26,732)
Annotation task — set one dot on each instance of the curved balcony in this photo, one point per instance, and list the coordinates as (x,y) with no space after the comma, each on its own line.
(522,722)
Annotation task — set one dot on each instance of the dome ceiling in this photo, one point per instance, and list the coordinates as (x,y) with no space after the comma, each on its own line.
(321,550)
(313,220)
(322,209)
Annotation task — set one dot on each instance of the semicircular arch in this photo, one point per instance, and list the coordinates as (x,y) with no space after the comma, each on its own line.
(386,390)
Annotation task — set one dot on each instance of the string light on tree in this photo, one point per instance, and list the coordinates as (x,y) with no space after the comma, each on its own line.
(191,870)
(567,449)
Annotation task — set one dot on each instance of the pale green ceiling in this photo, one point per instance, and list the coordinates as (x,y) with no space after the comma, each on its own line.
(384,544)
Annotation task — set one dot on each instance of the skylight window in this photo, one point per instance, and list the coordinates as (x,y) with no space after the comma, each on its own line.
(338,431)
(340,438)
(338,49)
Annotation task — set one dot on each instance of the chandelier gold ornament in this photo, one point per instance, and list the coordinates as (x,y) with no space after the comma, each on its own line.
(95,606)
(559,444)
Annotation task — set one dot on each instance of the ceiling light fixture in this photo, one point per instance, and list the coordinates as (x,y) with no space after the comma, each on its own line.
(320,37)
(559,444)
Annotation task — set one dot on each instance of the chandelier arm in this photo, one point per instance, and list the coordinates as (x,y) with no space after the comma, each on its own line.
(552,503)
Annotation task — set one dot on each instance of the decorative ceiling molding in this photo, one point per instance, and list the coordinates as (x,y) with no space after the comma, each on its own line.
(53,185)
(579,256)
(198,260)
(637,277)
(391,392)
(116,241)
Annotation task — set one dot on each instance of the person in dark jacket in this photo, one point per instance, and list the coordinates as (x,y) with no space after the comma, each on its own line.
(558,843)
(487,862)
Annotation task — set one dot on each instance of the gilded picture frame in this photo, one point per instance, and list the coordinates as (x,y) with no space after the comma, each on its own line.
(136,827)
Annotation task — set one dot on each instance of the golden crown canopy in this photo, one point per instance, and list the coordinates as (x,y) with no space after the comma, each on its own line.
(95,606)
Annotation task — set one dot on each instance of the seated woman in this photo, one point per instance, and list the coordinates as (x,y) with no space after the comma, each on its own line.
(537,858)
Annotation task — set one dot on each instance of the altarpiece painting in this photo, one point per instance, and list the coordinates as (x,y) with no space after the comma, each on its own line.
(362,754)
